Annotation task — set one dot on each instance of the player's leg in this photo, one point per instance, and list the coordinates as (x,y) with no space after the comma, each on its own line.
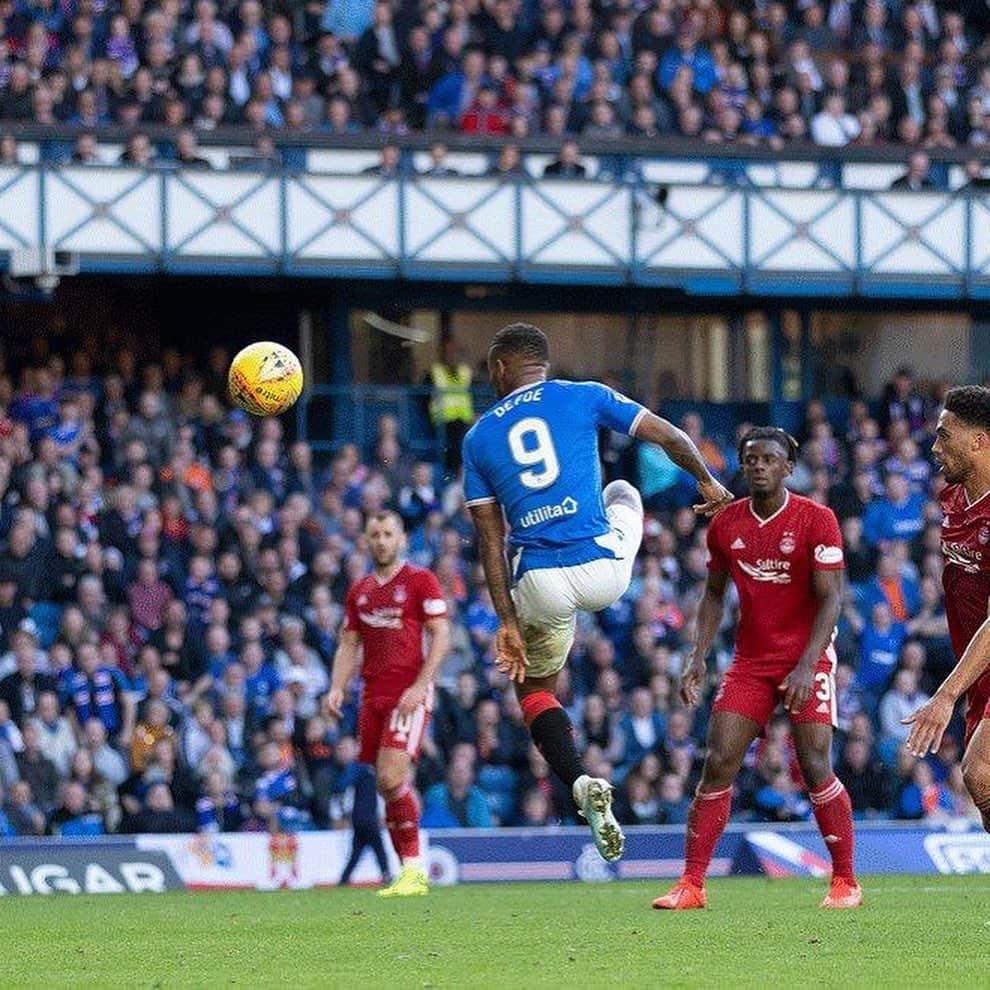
(624,510)
(546,602)
(550,726)
(401,820)
(398,747)
(729,736)
(812,731)
(976,769)
(622,493)
(546,615)
(833,810)
(552,731)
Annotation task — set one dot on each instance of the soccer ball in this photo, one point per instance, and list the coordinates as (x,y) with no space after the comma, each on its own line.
(265,378)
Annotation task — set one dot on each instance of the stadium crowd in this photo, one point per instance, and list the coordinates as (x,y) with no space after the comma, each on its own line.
(833,72)
(171,580)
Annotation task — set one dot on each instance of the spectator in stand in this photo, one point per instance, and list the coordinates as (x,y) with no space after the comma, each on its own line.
(37,770)
(73,817)
(890,585)
(484,114)
(187,151)
(100,692)
(8,149)
(881,641)
(456,802)
(902,403)
(390,164)
(674,801)
(834,127)
(896,516)
(22,812)
(567,164)
(923,797)
(687,54)
(56,740)
(21,690)
(904,698)
(917,176)
(642,727)
(438,161)
(865,779)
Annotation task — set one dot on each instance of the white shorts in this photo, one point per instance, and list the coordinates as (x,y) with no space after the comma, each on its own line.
(548,599)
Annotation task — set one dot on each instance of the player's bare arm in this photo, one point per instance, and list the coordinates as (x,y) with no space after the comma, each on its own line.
(797,686)
(710,612)
(931,720)
(510,651)
(345,662)
(438,631)
(680,448)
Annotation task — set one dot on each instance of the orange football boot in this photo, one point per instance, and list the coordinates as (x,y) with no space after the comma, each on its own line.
(843,894)
(683,896)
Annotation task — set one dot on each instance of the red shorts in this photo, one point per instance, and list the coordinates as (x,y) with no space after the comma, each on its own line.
(977,706)
(380,726)
(753,691)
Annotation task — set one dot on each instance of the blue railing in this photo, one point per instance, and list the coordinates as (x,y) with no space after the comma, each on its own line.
(706,240)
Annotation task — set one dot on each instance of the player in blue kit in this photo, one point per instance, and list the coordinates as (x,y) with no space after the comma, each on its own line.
(532,461)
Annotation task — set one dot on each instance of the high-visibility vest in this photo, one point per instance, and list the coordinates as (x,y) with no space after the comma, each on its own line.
(451,402)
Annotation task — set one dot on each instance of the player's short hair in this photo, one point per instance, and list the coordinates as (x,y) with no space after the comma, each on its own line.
(387,515)
(971,404)
(522,339)
(775,433)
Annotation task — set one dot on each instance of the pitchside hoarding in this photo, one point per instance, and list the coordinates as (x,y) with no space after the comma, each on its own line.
(68,867)
(158,863)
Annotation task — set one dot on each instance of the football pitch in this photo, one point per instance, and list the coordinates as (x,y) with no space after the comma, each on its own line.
(929,931)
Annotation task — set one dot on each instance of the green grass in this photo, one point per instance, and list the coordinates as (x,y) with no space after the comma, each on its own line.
(913,932)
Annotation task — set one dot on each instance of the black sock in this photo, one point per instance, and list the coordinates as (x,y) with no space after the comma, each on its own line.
(554,737)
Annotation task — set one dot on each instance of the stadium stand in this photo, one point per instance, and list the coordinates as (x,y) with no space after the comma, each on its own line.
(774,75)
(171,574)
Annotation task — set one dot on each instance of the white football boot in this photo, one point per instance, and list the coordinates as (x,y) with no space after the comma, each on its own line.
(594,800)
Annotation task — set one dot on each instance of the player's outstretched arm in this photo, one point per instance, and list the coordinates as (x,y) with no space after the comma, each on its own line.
(680,448)
(438,631)
(344,665)
(510,651)
(827,586)
(710,612)
(930,721)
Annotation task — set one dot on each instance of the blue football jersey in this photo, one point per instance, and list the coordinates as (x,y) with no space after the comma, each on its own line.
(536,453)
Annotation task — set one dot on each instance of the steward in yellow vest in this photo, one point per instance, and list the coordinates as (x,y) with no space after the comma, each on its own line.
(451,406)
(451,401)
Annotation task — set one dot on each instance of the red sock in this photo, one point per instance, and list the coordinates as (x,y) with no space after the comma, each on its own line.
(833,812)
(706,822)
(402,821)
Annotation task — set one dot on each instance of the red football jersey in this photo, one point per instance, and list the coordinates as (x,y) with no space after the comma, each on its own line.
(771,563)
(389,618)
(966,575)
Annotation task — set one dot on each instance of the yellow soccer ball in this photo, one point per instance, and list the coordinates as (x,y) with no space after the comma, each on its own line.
(265,378)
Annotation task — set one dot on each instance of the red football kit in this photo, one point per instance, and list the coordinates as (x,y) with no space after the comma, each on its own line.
(771,562)
(389,618)
(966,581)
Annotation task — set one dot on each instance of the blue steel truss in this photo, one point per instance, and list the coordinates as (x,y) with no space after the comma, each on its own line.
(718,241)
